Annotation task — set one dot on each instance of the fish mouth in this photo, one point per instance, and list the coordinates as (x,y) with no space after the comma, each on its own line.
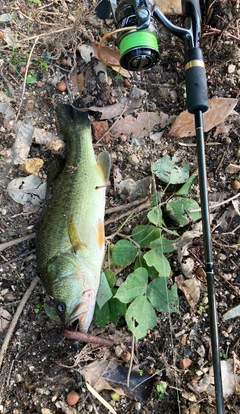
(83,311)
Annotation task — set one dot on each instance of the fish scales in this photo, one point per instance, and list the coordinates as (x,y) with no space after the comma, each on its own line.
(70,237)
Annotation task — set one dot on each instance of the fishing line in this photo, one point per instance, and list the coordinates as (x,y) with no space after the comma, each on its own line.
(106,36)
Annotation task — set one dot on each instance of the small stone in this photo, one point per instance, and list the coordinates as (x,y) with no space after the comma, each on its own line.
(138,406)
(31,166)
(231,68)
(201,351)
(112,99)
(18,378)
(185,363)
(232,169)
(46,411)
(133,159)
(99,128)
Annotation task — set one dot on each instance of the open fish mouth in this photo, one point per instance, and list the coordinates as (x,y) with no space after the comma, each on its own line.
(83,311)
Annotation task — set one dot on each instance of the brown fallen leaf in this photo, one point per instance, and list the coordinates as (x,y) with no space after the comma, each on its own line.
(109,111)
(104,375)
(77,81)
(139,127)
(219,109)
(190,288)
(230,379)
(112,57)
(222,129)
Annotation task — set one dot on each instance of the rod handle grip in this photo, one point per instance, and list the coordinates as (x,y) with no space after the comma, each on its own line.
(196,82)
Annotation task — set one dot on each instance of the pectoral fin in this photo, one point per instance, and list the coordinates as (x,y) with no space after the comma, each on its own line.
(74,238)
(104,164)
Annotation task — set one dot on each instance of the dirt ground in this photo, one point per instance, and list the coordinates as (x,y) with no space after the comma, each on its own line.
(40,366)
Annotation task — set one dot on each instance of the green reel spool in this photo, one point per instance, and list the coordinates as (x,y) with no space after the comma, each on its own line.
(139,50)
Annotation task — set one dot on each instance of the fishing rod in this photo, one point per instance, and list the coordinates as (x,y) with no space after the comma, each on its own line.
(136,22)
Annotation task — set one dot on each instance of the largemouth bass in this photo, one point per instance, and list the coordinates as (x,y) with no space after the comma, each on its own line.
(70,237)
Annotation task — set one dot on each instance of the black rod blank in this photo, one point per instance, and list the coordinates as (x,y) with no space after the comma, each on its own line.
(208,260)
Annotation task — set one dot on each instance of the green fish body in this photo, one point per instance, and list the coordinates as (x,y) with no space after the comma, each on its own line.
(70,237)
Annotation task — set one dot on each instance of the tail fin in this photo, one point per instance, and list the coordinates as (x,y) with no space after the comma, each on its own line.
(70,117)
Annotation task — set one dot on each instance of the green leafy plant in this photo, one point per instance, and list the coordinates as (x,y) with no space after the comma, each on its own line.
(37,308)
(148,287)
(161,389)
(223,355)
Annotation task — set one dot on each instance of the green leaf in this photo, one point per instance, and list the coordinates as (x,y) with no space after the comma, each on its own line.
(156,198)
(51,312)
(140,262)
(135,285)
(167,170)
(140,317)
(31,79)
(101,316)
(104,291)
(180,210)
(158,260)
(123,253)
(116,308)
(144,235)
(162,298)
(155,216)
(185,189)
(163,245)
(172,232)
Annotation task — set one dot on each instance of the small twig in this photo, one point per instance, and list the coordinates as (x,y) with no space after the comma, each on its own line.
(11,243)
(82,337)
(131,361)
(183,144)
(25,76)
(14,321)
(212,207)
(135,210)
(125,206)
(220,163)
(64,29)
(7,84)
(213,30)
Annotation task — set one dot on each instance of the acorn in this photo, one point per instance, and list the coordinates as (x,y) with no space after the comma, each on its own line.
(235,184)
(64,62)
(72,398)
(61,86)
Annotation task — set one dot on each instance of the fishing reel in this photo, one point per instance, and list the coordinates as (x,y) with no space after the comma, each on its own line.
(137,32)
(137,39)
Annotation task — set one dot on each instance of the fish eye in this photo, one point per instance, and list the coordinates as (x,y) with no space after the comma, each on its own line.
(61,307)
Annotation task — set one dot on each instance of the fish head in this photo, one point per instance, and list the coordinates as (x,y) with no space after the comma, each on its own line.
(74,289)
